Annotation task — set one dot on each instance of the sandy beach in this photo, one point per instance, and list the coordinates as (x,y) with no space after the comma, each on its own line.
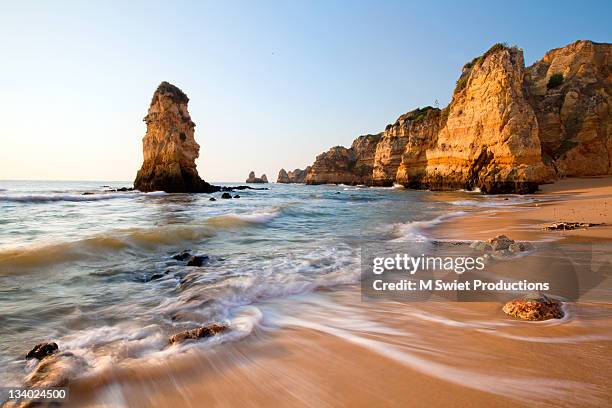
(585,200)
(331,349)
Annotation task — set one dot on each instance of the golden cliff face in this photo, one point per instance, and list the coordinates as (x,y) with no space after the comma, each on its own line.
(490,138)
(169,146)
(422,134)
(571,92)
(507,130)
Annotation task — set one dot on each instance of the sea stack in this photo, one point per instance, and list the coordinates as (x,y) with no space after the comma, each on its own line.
(253,179)
(169,146)
(283,177)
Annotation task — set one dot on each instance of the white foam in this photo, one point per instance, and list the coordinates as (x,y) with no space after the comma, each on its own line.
(45,198)
(414,230)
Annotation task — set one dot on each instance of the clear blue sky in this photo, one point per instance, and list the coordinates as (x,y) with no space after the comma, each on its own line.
(271,84)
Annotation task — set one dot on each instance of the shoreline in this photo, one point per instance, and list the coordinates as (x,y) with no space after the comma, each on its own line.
(315,357)
(569,200)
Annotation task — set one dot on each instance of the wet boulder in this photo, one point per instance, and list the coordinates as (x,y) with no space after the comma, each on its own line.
(534,308)
(57,370)
(197,260)
(199,333)
(226,195)
(500,242)
(212,199)
(42,350)
(182,256)
(237,196)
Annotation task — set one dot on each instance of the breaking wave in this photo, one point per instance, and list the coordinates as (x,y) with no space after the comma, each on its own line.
(46,198)
(143,238)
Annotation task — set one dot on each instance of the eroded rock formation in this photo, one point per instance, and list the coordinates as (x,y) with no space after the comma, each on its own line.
(507,129)
(347,166)
(169,146)
(570,89)
(253,179)
(293,176)
(283,177)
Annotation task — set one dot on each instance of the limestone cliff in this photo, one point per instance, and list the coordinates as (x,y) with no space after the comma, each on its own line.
(507,129)
(169,146)
(490,137)
(395,140)
(253,179)
(421,131)
(340,165)
(293,176)
(335,166)
(571,92)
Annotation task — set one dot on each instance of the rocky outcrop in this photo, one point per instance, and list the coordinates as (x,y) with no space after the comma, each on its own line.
(570,89)
(201,332)
(489,139)
(537,307)
(169,146)
(335,166)
(340,165)
(507,129)
(253,179)
(420,129)
(42,350)
(283,177)
(294,176)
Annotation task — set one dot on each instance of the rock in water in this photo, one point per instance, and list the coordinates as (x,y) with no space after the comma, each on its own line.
(534,308)
(283,177)
(253,179)
(169,146)
(42,350)
(201,332)
(197,260)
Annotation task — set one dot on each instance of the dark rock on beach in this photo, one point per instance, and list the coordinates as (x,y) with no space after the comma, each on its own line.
(212,199)
(535,308)
(568,226)
(199,333)
(197,260)
(237,196)
(226,195)
(42,350)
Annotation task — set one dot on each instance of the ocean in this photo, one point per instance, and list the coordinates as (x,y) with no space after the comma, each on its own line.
(94,272)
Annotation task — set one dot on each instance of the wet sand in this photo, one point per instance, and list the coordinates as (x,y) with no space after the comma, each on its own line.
(585,200)
(331,349)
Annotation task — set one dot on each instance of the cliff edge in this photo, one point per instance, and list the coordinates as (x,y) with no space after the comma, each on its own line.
(507,129)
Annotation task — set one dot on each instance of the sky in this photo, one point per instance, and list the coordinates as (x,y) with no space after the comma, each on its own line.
(271,84)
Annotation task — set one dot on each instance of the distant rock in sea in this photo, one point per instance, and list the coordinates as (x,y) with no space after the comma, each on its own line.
(253,179)
(507,129)
(169,146)
(295,176)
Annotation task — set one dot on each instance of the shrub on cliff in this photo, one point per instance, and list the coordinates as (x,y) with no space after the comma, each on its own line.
(467,68)
(554,81)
